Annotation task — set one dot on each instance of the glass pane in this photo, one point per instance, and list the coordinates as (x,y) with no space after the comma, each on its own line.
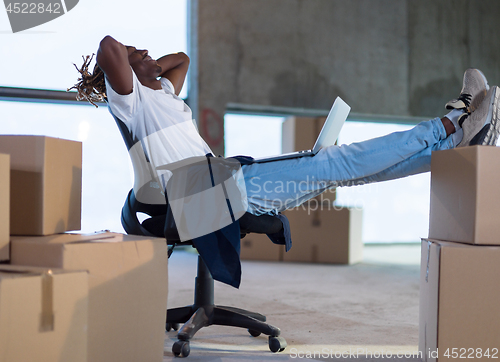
(43,57)
(393,211)
(107,170)
(243,135)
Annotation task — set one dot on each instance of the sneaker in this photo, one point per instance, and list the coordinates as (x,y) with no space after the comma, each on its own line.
(482,127)
(480,137)
(473,91)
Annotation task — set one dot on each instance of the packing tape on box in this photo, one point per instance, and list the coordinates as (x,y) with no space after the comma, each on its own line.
(47,297)
(438,248)
(428,257)
(316,219)
(47,317)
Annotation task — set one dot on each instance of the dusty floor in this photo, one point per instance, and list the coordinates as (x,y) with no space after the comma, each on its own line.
(368,310)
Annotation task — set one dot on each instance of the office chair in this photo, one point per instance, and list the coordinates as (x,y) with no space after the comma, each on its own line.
(203,312)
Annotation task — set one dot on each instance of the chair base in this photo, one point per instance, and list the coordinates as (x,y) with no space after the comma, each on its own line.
(204,313)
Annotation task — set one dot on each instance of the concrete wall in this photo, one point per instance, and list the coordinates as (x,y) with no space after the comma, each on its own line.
(384,57)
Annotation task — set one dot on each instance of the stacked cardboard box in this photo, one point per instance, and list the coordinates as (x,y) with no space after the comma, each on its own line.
(126,292)
(260,247)
(128,284)
(4,206)
(45,184)
(324,233)
(321,233)
(459,293)
(43,314)
(300,133)
(40,187)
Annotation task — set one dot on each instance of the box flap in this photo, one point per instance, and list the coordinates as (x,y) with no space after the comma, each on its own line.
(78,238)
(429,302)
(7,270)
(447,243)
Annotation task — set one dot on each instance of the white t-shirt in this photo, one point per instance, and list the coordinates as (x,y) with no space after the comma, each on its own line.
(160,119)
(162,124)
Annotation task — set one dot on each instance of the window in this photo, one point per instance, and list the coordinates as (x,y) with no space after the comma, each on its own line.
(243,135)
(43,58)
(393,211)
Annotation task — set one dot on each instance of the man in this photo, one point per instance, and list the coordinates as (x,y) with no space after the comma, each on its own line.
(143,93)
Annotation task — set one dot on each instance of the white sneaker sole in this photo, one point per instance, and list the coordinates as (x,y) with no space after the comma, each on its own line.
(491,137)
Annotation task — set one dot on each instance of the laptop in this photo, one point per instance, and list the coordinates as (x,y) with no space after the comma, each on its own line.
(327,137)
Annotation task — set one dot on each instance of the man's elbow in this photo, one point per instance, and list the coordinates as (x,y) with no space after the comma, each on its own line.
(185,58)
(108,42)
(109,49)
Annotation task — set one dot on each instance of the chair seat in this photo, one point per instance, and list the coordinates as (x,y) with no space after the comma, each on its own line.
(155,224)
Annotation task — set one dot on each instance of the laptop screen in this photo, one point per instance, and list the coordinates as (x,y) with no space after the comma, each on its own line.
(333,124)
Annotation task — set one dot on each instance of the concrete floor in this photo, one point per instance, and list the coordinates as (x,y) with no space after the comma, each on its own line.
(368,310)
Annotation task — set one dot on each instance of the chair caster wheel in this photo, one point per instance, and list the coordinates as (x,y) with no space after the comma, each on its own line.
(254,333)
(181,348)
(169,326)
(277,344)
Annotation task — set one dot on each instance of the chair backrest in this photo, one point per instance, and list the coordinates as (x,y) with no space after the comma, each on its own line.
(127,137)
(154,226)
(157,210)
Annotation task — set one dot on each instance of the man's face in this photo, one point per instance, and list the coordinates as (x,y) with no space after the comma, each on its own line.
(142,64)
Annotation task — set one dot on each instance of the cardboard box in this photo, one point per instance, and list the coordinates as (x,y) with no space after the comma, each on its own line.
(322,233)
(260,247)
(300,133)
(459,299)
(465,197)
(46,184)
(128,285)
(43,314)
(4,206)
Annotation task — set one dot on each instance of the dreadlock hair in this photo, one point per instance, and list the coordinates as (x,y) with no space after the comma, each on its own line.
(91,86)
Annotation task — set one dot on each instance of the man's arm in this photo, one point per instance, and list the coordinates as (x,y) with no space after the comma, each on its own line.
(174,68)
(112,58)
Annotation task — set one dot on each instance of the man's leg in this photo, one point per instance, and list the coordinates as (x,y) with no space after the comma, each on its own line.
(284,184)
(276,186)
(418,163)
(481,127)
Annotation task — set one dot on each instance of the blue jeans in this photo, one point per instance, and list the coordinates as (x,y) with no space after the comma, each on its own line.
(275,186)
